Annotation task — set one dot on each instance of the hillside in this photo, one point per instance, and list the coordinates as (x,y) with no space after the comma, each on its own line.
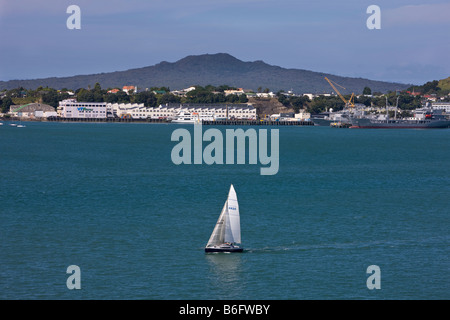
(215,69)
(444,84)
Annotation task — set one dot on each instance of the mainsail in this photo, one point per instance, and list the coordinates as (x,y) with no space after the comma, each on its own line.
(233,223)
(218,234)
(228,226)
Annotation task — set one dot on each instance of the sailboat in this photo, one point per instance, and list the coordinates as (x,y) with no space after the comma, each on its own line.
(226,236)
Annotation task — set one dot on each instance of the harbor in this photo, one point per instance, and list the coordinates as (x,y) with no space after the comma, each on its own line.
(167,121)
(101,195)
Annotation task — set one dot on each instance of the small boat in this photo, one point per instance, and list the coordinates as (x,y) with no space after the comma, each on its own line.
(13,124)
(20,126)
(226,236)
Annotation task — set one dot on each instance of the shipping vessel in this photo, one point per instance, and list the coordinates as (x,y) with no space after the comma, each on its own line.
(422,120)
(326,118)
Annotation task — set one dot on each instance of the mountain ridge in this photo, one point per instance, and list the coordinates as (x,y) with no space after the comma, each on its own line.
(215,69)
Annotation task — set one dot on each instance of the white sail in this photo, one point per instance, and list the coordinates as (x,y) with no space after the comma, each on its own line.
(233,223)
(228,226)
(218,234)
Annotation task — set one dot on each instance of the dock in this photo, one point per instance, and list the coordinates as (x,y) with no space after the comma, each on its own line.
(257,123)
(125,120)
(149,120)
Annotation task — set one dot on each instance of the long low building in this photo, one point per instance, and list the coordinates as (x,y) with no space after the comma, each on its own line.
(32,110)
(219,111)
(171,110)
(72,109)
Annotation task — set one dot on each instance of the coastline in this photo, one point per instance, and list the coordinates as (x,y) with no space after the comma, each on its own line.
(119,120)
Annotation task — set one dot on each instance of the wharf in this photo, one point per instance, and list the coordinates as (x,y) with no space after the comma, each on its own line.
(257,123)
(130,120)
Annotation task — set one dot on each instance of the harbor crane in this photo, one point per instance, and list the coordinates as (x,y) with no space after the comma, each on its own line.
(348,103)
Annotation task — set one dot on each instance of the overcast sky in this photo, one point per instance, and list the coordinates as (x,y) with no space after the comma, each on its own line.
(412,46)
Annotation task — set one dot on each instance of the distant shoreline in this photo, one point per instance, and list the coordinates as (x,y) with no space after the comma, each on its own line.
(162,121)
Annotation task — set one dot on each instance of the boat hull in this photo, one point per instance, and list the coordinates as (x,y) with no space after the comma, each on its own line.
(399,124)
(327,122)
(224,249)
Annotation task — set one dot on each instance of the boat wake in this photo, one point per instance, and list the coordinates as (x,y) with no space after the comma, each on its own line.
(343,245)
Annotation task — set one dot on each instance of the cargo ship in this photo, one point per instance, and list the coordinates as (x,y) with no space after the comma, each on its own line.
(423,120)
(327,118)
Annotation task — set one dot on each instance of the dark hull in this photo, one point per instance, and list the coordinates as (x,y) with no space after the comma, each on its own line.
(400,124)
(224,249)
(326,122)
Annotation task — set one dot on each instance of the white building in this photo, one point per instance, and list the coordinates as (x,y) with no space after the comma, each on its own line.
(127,89)
(171,110)
(70,108)
(238,92)
(302,115)
(445,106)
(129,110)
(32,110)
(266,95)
(220,111)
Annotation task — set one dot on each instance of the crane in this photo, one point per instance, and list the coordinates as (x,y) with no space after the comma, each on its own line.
(348,103)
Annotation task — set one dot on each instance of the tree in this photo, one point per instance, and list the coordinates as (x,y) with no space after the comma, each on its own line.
(284,100)
(110,98)
(51,98)
(148,98)
(243,98)
(122,97)
(168,98)
(5,103)
(299,102)
(85,95)
(367,91)
(323,103)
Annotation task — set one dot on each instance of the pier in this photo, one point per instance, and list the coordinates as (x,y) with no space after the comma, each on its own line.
(148,120)
(257,123)
(126,120)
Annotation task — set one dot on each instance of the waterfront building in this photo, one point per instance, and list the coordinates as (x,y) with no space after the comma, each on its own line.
(32,110)
(220,111)
(129,110)
(70,108)
(445,106)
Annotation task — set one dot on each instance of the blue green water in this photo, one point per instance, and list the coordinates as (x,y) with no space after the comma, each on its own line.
(107,198)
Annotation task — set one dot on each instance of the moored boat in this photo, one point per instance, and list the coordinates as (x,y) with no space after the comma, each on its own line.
(430,120)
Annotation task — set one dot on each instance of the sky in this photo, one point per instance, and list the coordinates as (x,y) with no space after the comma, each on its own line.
(412,45)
